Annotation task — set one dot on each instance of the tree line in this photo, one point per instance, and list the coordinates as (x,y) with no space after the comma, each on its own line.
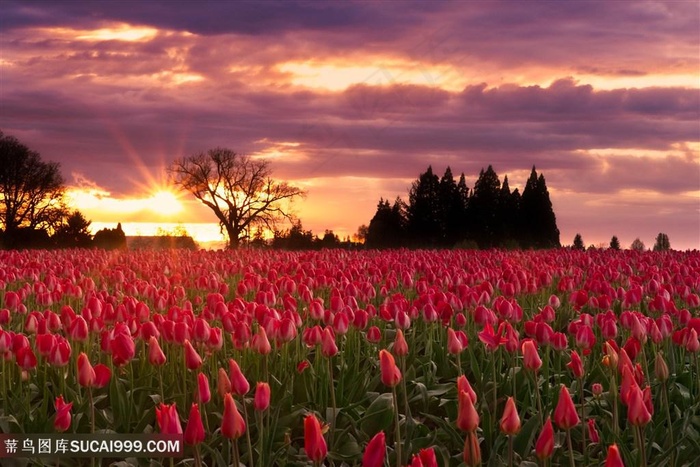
(444,213)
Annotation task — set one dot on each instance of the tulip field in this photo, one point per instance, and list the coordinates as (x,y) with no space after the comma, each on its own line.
(373,358)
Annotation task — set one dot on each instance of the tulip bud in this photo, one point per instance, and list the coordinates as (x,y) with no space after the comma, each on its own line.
(531,359)
(86,373)
(597,389)
(328,346)
(614,459)
(223,384)
(544,447)
(576,365)
(472,451)
(102,375)
(400,347)
(232,424)
(156,357)
(593,431)
(239,384)
(660,368)
(467,417)
(194,432)
(454,346)
(63,416)
(391,375)
(565,415)
(510,421)
(203,391)
(261,400)
(168,419)
(314,443)
(375,451)
(192,358)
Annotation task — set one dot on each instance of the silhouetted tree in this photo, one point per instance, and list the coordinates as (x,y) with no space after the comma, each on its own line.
(239,190)
(452,209)
(110,239)
(662,243)
(508,213)
(361,235)
(330,240)
(537,219)
(578,243)
(483,209)
(614,243)
(31,191)
(637,245)
(387,227)
(296,238)
(74,232)
(424,210)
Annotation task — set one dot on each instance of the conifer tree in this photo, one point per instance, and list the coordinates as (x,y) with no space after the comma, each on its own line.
(662,243)
(614,243)
(537,219)
(578,243)
(483,208)
(451,209)
(386,229)
(424,225)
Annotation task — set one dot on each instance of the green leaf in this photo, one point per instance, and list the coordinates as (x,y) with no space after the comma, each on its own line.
(378,416)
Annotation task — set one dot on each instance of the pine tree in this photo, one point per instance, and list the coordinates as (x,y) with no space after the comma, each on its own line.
(614,243)
(578,243)
(508,211)
(451,209)
(537,220)
(387,227)
(424,226)
(483,208)
(662,243)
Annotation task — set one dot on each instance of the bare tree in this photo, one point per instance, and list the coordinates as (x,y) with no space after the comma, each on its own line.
(31,191)
(238,189)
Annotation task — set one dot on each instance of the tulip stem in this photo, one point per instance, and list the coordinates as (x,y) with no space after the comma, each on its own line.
(197,457)
(640,437)
(259,418)
(510,450)
(664,395)
(332,393)
(583,423)
(571,450)
(247,432)
(236,456)
(92,410)
(397,443)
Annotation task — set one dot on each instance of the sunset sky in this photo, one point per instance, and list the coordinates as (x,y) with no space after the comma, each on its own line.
(352,100)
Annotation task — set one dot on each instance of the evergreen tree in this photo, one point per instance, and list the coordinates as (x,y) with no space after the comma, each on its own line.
(463,193)
(508,211)
(451,209)
(538,223)
(578,243)
(662,243)
(483,208)
(74,232)
(614,243)
(386,229)
(424,219)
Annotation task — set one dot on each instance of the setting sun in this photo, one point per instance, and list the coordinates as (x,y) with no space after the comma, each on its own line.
(165,202)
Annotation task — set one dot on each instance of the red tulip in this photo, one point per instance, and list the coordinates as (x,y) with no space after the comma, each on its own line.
(232,424)
(86,373)
(194,432)
(375,451)
(637,412)
(490,339)
(463,385)
(467,417)
(400,347)
(472,451)
(63,417)
(260,342)
(45,344)
(25,358)
(102,375)
(593,431)
(510,421)
(328,346)
(614,459)
(391,375)
(374,335)
(223,384)
(192,358)
(427,457)
(123,348)
(314,443)
(531,359)
(60,355)
(576,365)
(78,329)
(565,415)
(203,391)
(239,384)
(168,419)
(261,401)
(597,389)
(156,357)
(544,447)
(454,346)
